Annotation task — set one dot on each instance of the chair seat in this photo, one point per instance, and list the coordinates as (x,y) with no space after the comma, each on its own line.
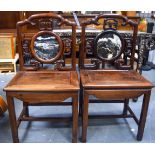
(110,79)
(44,81)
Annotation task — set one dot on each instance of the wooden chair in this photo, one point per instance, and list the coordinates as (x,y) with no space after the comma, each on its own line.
(112,75)
(44,78)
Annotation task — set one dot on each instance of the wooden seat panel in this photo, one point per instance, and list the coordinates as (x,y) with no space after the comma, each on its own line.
(113,79)
(44,81)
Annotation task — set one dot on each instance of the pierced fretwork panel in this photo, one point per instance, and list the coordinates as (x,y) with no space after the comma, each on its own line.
(124,58)
(45,46)
(40,46)
(67,46)
(48,24)
(110,24)
(117,49)
(29,61)
(89,46)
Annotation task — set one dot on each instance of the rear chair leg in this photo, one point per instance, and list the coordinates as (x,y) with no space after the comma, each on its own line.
(125,110)
(26,109)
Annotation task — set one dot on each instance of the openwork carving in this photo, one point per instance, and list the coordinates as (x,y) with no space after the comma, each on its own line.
(89,46)
(59,65)
(26,51)
(67,41)
(44,48)
(29,61)
(111,48)
(45,24)
(110,24)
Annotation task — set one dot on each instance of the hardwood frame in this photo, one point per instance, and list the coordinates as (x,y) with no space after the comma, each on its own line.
(37,93)
(101,93)
(125,21)
(106,88)
(23,35)
(24,116)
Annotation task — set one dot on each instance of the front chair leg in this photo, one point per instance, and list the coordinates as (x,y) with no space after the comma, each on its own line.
(12,117)
(75,119)
(85,118)
(143,115)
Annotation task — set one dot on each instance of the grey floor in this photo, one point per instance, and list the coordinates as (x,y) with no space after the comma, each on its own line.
(99,131)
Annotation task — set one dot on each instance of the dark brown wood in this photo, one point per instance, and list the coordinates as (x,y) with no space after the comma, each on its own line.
(119,82)
(125,109)
(23,88)
(85,118)
(26,37)
(91,116)
(26,108)
(23,113)
(133,114)
(124,21)
(53,119)
(12,116)
(108,79)
(42,87)
(143,115)
(75,119)
(8,19)
(43,81)
(54,104)
(80,100)
(119,93)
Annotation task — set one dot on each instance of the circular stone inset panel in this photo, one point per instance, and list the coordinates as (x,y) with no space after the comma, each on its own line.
(109,45)
(46,47)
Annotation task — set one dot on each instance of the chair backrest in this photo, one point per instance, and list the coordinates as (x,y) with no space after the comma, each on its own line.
(111,48)
(41,47)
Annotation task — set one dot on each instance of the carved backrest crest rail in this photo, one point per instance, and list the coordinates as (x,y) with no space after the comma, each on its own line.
(42,45)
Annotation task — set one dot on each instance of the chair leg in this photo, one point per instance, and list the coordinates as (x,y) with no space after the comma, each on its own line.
(143,115)
(26,109)
(125,110)
(13,121)
(81,102)
(85,118)
(75,119)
